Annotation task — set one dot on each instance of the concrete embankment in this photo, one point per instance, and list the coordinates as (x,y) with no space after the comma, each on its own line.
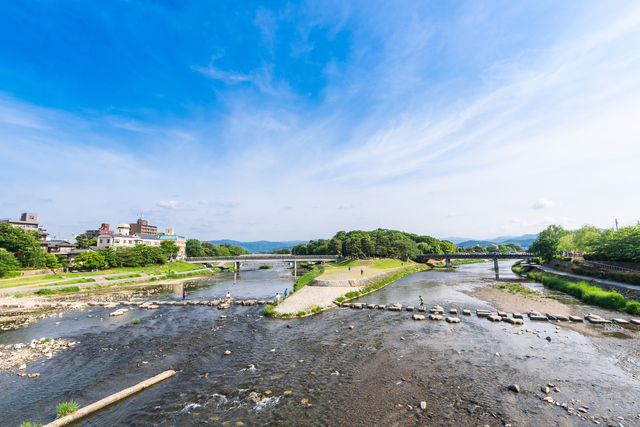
(94,407)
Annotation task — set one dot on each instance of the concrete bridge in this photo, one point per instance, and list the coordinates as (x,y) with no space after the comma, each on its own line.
(482,255)
(265,258)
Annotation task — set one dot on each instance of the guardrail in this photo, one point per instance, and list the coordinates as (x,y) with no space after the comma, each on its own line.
(609,267)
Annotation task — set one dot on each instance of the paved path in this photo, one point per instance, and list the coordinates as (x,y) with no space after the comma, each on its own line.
(97,278)
(587,279)
(310,297)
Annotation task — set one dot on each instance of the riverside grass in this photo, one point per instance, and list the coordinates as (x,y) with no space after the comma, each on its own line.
(588,293)
(308,277)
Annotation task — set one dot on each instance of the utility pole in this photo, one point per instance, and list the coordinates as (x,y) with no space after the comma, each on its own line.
(616,224)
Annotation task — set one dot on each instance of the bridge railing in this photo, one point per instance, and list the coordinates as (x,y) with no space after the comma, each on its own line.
(265,257)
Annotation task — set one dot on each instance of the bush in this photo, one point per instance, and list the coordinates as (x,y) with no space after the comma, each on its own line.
(266,266)
(340,299)
(577,261)
(66,408)
(536,260)
(632,307)
(562,258)
(49,291)
(301,313)
(9,274)
(352,294)
(316,309)
(135,321)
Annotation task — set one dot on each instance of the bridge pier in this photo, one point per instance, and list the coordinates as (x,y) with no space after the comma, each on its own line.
(236,265)
(448,263)
(495,267)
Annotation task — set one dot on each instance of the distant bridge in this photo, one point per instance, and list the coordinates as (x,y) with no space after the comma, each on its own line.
(268,258)
(495,256)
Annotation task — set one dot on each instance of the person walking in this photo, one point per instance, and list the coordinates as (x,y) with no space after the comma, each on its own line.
(349,268)
(184,295)
(361,272)
(277,298)
(421,301)
(602,275)
(286,292)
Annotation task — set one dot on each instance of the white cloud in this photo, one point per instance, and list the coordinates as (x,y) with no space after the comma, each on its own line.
(171,204)
(543,204)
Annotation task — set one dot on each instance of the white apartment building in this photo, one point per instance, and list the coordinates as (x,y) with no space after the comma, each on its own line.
(123,238)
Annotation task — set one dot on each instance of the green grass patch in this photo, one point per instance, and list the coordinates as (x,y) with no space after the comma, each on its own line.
(466,261)
(270,310)
(135,321)
(301,313)
(49,291)
(590,294)
(340,299)
(10,274)
(265,266)
(66,408)
(316,309)
(351,294)
(30,424)
(308,277)
(124,276)
(515,288)
(46,340)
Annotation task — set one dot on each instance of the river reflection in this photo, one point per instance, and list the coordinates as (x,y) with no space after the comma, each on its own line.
(320,371)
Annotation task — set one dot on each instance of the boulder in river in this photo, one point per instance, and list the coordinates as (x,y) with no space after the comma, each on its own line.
(620,321)
(515,388)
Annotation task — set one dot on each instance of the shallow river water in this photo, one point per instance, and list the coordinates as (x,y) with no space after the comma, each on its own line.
(320,371)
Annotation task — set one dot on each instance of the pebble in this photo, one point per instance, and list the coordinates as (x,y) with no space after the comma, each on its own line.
(351,327)
(514,388)
(228,352)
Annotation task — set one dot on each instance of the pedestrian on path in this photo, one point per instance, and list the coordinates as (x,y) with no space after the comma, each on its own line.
(349,268)
(286,292)
(184,295)
(602,275)
(421,301)
(361,272)
(278,297)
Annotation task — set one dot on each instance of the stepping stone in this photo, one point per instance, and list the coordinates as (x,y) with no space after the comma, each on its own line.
(434,316)
(495,318)
(534,313)
(382,307)
(224,306)
(357,306)
(181,303)
(249,302)
(514,321)
(539,317)
(576,319)
(371,306)
(517,315)
(596,319)
(502,314)
(152,307)
(346,304)
(394,308)
(453,311)
(204,302)
(410,308)
(171,303)
(436,310)
(271,302)
(239,302)
(452,319)
(422,309)
(466,312)
(635,321)
(483,313)
(562,317)
(261,302)
(551,317)
(418,317)
(621,321)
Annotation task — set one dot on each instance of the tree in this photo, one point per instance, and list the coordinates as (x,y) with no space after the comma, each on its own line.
(81,241)
(300,249)
(52,261)
(92,242)
(8,261)
(170,249)
(479,248)
(22,244)
(110,256)
(334,246)
(194,248)
(89,260)
(544,247)
(447,247)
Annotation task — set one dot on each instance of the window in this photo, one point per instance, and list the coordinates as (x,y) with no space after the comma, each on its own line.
(108,240)
(100,240)
(116,240)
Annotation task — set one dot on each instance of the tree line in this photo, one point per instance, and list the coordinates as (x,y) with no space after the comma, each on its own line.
(196,248)
(380,243)
(613,244)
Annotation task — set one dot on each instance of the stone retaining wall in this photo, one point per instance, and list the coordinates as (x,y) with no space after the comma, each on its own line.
(354,283)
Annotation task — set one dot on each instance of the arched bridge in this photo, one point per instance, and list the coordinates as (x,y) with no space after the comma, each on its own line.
(476,255)
(236,260)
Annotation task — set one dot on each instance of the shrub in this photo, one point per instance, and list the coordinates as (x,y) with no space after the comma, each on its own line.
(536,260)
(301,313)
(135,321)
(49,291)
(340,299)
(577,261)
(287,314)
(352,294)
(46,340)
(266,266)
(269,310)
(66,408)
(632,307)
(316,309)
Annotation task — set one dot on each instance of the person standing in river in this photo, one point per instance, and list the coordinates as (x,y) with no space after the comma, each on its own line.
(184,295)
(421,301)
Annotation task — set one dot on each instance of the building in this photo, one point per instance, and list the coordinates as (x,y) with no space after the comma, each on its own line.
(180,241)
(141,226)
(57,247)
(104,229)
(29,222)
(124,237)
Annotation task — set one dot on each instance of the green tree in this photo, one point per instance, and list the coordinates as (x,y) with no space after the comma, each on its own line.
(8,261)
(447,247)
(81,241)
(52,262)
(24,245)
(194,248)
(300,249)
(480,249)
(334,246)
(110,256)
(170,249)
(92,242)
(88,260)
(545,247)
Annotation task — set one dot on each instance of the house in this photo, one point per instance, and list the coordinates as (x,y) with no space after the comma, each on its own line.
(180,241)
(57,247)
(123,237)
(104,229)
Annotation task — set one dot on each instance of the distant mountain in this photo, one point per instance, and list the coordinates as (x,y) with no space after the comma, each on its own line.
(523,241)
(456,240)
(260,246)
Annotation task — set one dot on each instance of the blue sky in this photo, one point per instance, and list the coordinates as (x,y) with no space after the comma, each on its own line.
(293,120)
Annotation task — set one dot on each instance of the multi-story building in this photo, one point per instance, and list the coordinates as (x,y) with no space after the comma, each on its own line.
(57,247)
(124,237)
(141,226)
(104,229)
(28,221)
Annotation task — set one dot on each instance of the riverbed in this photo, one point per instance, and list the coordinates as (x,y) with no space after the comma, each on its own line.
(342,367)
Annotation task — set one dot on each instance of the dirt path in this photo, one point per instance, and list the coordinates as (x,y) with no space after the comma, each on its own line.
(310,297)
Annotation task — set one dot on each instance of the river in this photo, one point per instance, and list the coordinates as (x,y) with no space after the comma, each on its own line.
(320,371)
